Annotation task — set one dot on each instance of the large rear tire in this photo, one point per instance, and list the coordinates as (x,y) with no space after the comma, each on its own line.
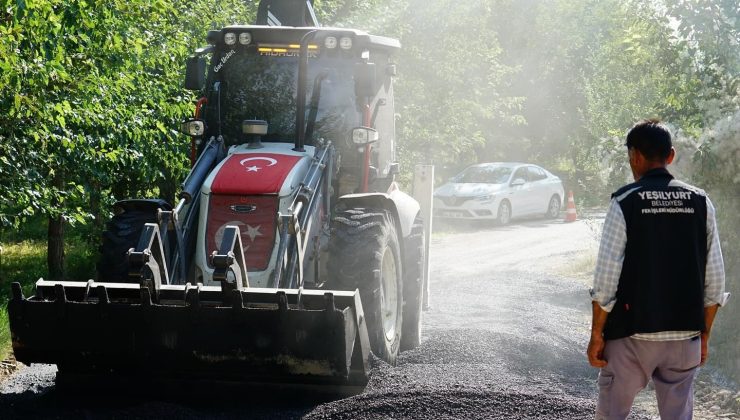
(364,254)
(414,285)
(123,232)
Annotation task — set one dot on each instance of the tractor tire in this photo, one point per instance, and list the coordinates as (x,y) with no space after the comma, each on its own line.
(414,286)
(123,232)
(364,254)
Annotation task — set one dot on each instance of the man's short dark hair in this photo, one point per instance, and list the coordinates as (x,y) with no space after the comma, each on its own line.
(651,138)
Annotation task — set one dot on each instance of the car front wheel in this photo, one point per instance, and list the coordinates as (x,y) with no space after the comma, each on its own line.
(504,213)
(553,208)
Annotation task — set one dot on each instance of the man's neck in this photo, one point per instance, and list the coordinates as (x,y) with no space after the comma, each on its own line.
(649,168)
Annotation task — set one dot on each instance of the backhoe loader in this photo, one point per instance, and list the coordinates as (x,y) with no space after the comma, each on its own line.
(291,253)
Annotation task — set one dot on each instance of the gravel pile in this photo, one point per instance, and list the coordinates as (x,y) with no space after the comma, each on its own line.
(29,380)
(714,398)
(454,404)
(461,374)
(713,401)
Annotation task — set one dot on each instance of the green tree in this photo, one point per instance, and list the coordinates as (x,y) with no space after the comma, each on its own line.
(450,91)
(93,90)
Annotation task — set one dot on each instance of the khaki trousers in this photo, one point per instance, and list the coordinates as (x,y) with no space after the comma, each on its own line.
(632,363)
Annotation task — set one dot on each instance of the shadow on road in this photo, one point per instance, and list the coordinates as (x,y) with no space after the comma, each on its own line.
(214,403)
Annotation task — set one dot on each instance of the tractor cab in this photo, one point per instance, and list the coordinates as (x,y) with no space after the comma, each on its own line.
(254,73)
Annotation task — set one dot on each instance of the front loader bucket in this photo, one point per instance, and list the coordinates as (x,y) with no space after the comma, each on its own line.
(252,336)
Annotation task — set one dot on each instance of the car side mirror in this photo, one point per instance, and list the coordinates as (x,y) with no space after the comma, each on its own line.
(517,182)
(195,73)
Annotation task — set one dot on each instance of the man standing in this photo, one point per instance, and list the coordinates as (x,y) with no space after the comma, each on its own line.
(658,283)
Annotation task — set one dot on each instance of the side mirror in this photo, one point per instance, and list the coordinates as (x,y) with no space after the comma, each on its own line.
(195,73)
(365,80)
(364,135)
(517,182)
(193,127)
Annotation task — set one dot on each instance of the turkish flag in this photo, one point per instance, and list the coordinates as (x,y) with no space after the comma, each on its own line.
(253,173)
(256,218)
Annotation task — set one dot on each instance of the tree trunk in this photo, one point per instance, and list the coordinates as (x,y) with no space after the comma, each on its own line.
(98,222)
(55,248)
(55,237)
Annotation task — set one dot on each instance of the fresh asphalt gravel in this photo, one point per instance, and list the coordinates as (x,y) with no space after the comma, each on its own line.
(504,339)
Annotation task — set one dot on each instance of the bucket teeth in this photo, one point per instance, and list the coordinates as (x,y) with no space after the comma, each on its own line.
(237,302)
(192,297)
(103,295)
(329,305)
(59,293)
(282,301)
(60,300)
(88,286)
(146,296)
(17,291)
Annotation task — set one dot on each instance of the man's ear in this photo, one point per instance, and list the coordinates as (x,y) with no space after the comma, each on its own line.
(671,156)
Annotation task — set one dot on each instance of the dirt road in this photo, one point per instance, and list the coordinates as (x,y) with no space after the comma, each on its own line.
(505,338)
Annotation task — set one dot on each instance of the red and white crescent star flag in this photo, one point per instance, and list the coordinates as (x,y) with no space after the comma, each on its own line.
(253,173)
(252,180)
(257,228)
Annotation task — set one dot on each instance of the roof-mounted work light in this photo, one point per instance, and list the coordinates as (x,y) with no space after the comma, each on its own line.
(345,43)
(229,38)
(330,42)
(245,38)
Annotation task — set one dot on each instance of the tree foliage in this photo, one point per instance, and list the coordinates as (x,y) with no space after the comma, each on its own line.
(93,90)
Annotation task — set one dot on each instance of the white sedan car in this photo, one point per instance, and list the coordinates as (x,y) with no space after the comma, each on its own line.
(499,191)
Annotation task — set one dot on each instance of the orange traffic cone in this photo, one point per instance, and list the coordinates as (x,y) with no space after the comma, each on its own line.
(570,211)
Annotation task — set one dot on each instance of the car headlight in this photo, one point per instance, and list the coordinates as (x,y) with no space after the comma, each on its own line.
(487,197)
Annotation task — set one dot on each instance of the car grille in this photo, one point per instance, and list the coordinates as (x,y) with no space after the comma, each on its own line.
(455,201)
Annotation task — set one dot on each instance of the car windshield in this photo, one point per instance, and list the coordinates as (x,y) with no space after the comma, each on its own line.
(264,87)
(484,174)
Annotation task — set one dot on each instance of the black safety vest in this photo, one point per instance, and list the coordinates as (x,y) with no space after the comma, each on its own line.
(661,286)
